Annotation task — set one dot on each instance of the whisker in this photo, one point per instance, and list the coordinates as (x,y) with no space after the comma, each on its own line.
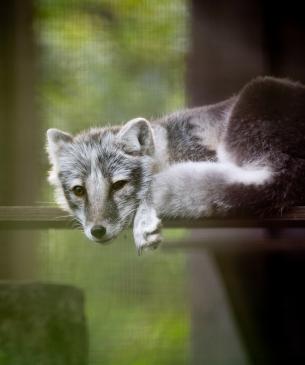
(77,227)
(76,223)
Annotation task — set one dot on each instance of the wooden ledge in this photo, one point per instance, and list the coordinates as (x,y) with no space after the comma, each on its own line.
(48,217)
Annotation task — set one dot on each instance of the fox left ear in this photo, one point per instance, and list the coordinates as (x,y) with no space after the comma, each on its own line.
(56,141)
(136,137)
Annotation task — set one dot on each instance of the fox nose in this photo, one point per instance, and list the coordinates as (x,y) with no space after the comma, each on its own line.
(98,231)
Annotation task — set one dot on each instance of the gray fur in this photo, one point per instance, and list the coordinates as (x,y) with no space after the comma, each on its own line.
(95,159)
(243,155)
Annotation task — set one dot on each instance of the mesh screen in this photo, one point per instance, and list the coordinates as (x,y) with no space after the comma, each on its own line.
(103,62)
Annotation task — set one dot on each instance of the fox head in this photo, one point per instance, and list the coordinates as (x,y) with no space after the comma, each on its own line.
(100,176)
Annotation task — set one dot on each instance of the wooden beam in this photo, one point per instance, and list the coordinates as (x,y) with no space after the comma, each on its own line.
(33,217)
(49,217)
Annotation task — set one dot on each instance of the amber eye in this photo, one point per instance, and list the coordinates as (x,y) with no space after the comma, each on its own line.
(118,185)
(78,190)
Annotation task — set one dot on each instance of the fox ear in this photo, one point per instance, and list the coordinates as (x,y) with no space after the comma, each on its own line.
(136,137)
(56,140)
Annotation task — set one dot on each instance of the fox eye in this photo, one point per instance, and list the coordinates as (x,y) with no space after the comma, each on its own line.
(78,190)
(118,185)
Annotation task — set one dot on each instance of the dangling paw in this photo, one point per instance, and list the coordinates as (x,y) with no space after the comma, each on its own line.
(146,229)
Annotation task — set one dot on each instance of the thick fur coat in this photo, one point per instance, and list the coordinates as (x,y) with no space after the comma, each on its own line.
(243,155)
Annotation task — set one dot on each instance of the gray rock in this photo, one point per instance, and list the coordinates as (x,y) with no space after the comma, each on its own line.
(42,324)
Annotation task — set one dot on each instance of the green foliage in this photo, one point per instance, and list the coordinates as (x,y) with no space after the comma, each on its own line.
(108,61)
(136,307)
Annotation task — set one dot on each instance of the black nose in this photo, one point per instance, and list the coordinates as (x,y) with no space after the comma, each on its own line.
(98,231)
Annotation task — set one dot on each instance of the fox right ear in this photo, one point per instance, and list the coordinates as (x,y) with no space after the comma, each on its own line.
(136,137)
(56,140)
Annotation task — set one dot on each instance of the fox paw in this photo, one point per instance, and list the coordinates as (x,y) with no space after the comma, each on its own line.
(146,229)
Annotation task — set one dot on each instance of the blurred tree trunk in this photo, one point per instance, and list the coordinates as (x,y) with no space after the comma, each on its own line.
(19,130)
(232,42)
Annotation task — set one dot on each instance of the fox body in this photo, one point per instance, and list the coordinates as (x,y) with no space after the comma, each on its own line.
(245,155)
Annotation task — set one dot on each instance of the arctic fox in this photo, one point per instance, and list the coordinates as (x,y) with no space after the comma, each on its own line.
(243,155)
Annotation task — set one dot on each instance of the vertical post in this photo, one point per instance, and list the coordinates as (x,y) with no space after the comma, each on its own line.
(232,42)
(226,49)
(19,130)
(226,53)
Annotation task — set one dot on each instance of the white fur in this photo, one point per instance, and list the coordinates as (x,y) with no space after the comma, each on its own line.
(186,189)
(207,132)
(210,128)
(146,228)
(255,172)
(128,136)
(161,147)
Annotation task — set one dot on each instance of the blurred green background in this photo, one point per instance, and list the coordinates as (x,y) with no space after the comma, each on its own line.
(74,65)
(82,63)
(103,62)
(106,61)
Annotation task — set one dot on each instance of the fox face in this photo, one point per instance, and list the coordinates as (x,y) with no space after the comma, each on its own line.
(102,175)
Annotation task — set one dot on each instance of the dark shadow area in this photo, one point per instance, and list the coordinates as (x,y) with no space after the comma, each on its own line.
(232,42)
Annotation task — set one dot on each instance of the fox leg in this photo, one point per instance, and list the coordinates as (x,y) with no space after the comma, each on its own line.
(203,189)
(146,227)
